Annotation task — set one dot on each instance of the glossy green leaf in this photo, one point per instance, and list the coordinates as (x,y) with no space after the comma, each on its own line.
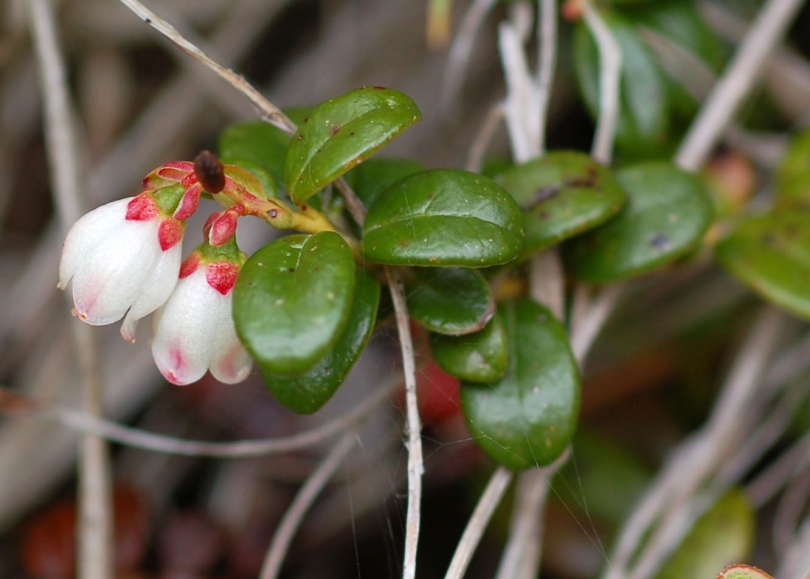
(771,254)
(342,132)
(373,176)
(667,213)
(443,217)
(741,571)
(310,391)
(725,533)
(478,357)
(450,300)
(292,300)
(255,142)
(563,194)
(643,125)
(527,417)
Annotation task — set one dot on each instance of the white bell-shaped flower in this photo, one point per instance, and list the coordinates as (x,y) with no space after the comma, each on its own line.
(122,258)
(194,330)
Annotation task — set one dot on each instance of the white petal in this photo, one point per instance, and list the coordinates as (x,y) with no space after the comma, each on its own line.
(230,362)
(155,291)
(115,272)
(86,234)
(182,343)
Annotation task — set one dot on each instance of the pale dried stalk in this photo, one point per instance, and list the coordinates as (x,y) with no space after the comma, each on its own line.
(483,138)
(736,82)
(522,553)
(591,317)
(489,501)
(547,58)
(95,531)
(462,46)
(519,106)
(415,463)
(136,438)
(610,68)
(298,508)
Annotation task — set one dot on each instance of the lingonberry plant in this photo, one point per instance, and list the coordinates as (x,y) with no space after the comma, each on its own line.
(504,272)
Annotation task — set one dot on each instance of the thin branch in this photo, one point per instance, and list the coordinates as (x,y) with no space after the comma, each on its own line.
(610,68)
(353,202)
(590,318)
(546,281)
(95,530)
(144,440)
(415,463)
(303,501)
(479,520)
(547,58)
(521,557)
(484,138)
(736,82)
(267,110)
(771,480)
(462,46)
(519,106)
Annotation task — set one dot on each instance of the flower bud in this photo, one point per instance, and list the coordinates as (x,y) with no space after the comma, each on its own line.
(122,258)
(194,330)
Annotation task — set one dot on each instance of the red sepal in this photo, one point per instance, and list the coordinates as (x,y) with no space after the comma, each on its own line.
(189,203)
(222,276)
(170,233)
(142,207)
(189,265)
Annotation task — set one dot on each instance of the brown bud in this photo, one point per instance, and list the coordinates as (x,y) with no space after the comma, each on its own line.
(209,172)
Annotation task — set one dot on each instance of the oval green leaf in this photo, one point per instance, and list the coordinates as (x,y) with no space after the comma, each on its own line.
(667,213)
(478,357)
(310,391)
(527,418)
(725,533)
(443,217)
(563,194)
(643,125)
(771,254)
(342,132)
(292,300)
(450,300)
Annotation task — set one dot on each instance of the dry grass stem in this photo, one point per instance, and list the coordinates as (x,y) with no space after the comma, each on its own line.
(489,501)
(416,467)
(95,529)
(736,82)
(303,501)
(610,68)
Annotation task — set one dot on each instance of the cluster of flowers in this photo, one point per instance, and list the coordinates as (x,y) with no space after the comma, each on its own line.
(124,259)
